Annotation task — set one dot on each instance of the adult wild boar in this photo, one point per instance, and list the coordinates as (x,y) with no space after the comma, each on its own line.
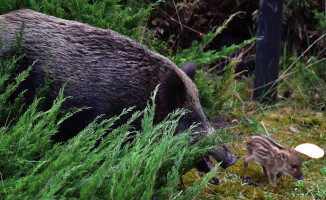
(104,71)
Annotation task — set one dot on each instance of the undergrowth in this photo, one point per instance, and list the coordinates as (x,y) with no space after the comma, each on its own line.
(213,90)
(130,18)
(128,164)
(150,166)
(126,17)
(290,123)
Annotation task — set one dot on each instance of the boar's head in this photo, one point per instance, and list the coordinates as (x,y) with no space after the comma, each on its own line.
(177,90)
(291,163)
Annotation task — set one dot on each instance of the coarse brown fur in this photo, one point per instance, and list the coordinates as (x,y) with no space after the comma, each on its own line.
(104,71)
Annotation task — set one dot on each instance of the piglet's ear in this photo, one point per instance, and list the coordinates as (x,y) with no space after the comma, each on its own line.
(170,96)
(284,157)
(189,69)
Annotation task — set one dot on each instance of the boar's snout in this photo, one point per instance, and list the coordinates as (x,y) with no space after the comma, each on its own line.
(224,155)
(299,176)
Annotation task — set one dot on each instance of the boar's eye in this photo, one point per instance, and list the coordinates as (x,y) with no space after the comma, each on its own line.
(294,166)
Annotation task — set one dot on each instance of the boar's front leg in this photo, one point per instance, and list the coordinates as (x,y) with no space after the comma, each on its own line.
(205,165)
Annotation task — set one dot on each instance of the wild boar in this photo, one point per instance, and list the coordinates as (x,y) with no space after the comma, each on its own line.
(104,71)
(274,158)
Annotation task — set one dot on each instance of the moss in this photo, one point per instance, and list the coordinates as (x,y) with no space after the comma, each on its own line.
(307,126)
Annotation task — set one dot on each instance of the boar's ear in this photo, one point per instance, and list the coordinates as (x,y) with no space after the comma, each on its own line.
(189,69)
(284,157)
(170,96)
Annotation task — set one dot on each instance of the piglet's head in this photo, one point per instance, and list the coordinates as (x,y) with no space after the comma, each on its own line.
(291,163)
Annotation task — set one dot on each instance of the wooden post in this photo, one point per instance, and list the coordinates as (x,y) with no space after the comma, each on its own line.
(268,50)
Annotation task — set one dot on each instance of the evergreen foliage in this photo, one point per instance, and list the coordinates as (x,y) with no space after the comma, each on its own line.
(150,165)
(197,53)
(43,91)
(126,17)
(128,164)
(129,18)
(320,16)
(10,80)
(213,93)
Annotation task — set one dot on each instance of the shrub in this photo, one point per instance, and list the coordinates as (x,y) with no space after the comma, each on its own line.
(126,17)
(128,164)
(150,165)
(213,91)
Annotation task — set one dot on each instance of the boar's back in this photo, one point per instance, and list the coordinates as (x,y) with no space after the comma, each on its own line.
(103,69)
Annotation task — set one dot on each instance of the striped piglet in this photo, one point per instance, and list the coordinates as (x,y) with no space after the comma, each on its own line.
(274,158)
